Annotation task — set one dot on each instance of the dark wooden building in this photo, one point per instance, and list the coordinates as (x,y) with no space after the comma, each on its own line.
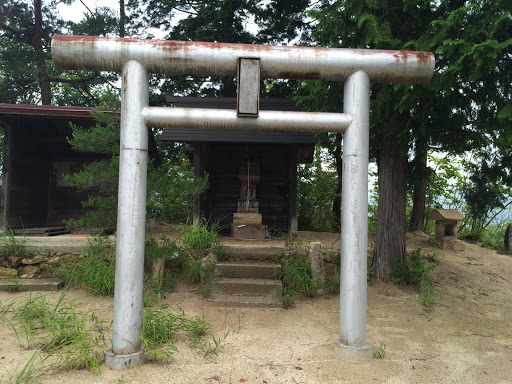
(268,158)
(36,154)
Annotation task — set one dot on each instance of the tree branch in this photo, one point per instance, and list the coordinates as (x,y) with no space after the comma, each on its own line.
(75,81)
(85,5)
(497,213)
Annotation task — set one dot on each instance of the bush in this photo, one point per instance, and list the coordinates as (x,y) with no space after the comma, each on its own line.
(171,187)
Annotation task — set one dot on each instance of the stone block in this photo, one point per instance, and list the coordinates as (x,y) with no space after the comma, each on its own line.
(209,261)
(453,244)
(316,260)
(28,272)
(37,259)
(249,231)
(248,204)
(6,273)
(247,218)
(15,261)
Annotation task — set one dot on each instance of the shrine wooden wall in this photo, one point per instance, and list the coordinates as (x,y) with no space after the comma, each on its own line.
(36,153)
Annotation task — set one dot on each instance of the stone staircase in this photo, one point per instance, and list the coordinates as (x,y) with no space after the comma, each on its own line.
(249,277)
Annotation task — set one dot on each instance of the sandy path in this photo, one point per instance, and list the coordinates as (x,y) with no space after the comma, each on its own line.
(467,338)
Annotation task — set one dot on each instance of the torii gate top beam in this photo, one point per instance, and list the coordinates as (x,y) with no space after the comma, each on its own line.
(219,59)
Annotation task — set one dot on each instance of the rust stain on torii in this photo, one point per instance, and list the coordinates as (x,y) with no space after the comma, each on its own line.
(207,58)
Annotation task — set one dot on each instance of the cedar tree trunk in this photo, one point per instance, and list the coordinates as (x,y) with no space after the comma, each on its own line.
(390,240)
(121,18)
(420,187)
(336,205)
(42,73)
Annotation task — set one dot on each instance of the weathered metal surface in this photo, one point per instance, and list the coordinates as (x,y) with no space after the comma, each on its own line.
(220,59)
(354,217)
(131,216)
(266,103)
(227,119)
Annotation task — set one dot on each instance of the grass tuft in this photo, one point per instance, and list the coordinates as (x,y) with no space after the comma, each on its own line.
(296,273)
(14,245)
(199,241)
(95,270)
(414,272)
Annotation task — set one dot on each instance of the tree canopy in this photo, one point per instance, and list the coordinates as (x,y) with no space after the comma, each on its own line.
(466,108)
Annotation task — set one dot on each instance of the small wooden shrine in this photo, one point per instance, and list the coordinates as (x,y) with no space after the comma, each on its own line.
(252,175)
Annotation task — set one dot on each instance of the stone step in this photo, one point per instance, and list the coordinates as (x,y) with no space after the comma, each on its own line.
(246,300)
(236,286)
(252,252)
(30,284)
(248,270)
(41,231)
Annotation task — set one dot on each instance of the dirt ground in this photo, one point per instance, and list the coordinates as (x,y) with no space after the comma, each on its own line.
(467,338)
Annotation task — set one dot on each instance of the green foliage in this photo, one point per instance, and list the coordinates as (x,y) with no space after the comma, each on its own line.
(170,187)
(316,192)
(447,186)
(199,241)
(25,60)
(463,108)
(14,245)
(171,256)
(75,339)
(96,268)
(201,237)
(413,271)
(333,285)
(296,273)
(171,191)
(161,330)
(165,249)
(31,370)
(381,352)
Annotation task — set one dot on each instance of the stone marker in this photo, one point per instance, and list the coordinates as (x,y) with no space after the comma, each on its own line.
(317,261)
(157,272)
(209,261)
(508,239)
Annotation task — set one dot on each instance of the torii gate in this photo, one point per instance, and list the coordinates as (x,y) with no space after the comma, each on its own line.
(136,57)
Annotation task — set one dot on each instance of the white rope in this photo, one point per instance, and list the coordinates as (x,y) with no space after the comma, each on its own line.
(248,187)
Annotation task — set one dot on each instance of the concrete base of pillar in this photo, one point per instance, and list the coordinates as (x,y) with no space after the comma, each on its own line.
(351,354)
(123,361)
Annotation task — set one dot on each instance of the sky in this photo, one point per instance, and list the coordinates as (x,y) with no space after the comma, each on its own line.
(75,12)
